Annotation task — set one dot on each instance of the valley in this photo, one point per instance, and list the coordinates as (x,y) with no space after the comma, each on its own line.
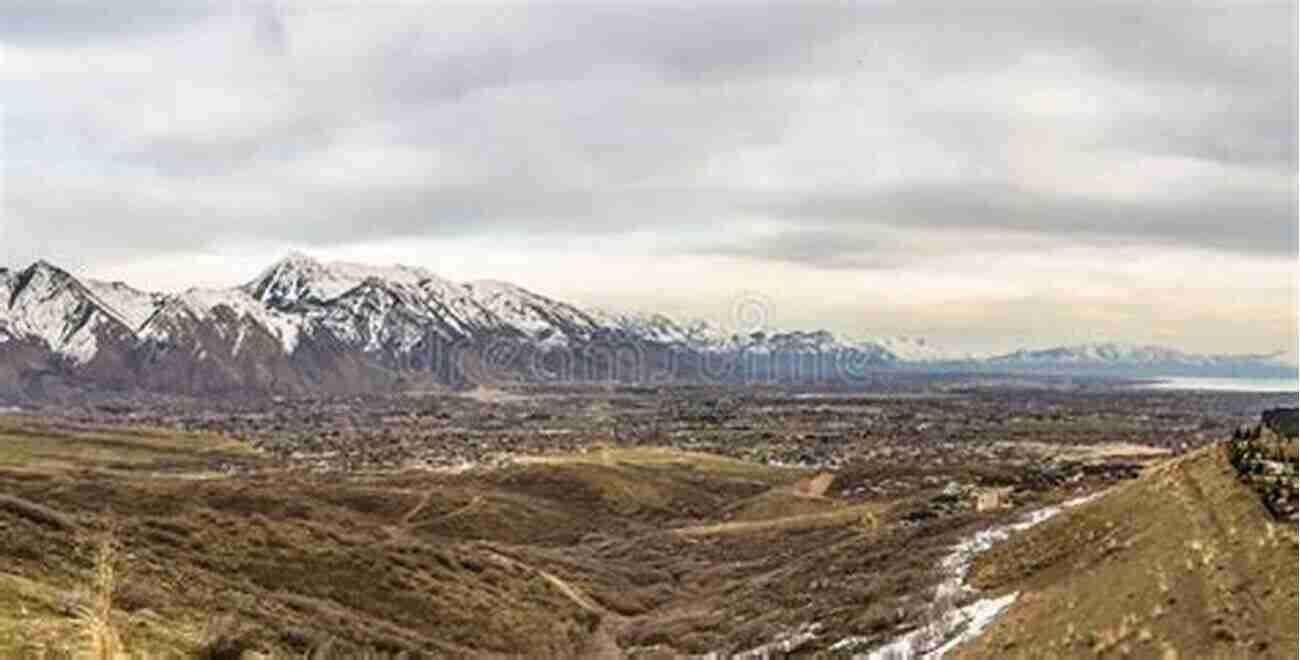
(576,521)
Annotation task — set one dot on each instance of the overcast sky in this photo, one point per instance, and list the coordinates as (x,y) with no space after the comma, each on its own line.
(985,177)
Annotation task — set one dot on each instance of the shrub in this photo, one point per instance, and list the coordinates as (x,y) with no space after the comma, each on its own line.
(41,515)
(225,640)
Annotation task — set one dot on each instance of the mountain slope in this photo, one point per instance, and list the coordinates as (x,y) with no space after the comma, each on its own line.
(1183,562)
(46,303)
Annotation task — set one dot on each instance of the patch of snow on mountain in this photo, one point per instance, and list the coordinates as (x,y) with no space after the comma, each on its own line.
(299,278)
(698,334)
(917,349)
(538,317)
(1109,353)
(51,307)
(133,306)
(286,327)
(652,327)
(82,345)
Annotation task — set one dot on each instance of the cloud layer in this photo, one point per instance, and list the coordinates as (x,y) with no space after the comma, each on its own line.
(857,149)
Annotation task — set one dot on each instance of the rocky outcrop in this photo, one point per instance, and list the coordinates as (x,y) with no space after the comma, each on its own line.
(1265,457)
(1282,421)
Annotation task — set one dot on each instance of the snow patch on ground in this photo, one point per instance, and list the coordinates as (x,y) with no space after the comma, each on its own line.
(954,627)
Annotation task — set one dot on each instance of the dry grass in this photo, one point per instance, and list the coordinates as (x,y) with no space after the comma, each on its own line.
(36,513)
(33,445)
(1183,558)
(865,515)
(665,457)
(332,565)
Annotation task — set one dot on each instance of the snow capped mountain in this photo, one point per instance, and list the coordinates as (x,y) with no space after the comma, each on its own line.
(200,306)
(534,316)
(391,308)
(306,325)
(916,349)
(706,335)
(299,279)
(48,304)
(1112,353)
(132,306)
(371,307)
(697,334)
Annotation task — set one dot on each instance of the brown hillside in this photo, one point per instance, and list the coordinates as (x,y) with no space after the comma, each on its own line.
(1184,562)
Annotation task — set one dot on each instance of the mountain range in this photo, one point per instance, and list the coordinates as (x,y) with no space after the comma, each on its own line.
(306,326)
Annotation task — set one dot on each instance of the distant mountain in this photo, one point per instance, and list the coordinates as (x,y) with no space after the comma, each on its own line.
(1135,359)
(304,326)
(1113,353)
(919,349)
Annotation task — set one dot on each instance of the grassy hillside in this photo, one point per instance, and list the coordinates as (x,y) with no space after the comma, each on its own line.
(207,545)
(261,558)
(1184,562)
(180,544)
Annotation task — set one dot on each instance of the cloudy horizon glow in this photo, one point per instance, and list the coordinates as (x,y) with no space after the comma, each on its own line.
(988,177)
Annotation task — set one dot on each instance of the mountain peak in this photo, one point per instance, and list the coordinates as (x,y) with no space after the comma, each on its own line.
(292,260)
(44,266)
(300,278)
(497,287)
(41,274)
(283,282)
(297,255)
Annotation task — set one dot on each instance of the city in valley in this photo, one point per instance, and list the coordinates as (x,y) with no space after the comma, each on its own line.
(657,521)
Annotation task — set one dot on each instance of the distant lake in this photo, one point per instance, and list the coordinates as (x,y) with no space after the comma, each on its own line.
(1227,384)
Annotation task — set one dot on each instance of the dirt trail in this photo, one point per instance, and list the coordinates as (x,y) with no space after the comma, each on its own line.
(815,486)
(571,592)
(1224,601)
(419,506)
(602,645)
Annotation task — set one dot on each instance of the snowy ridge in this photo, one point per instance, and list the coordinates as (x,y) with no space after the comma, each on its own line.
(1112,353)
(132,306)
(298,278)
(918,349)
(200,305)
(47,304)
(708,336)
(539,318)
(387,312)
(698,334)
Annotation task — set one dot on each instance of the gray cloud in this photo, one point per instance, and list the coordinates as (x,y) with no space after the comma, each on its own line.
(1235,220)
(841,136)
(62,22)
